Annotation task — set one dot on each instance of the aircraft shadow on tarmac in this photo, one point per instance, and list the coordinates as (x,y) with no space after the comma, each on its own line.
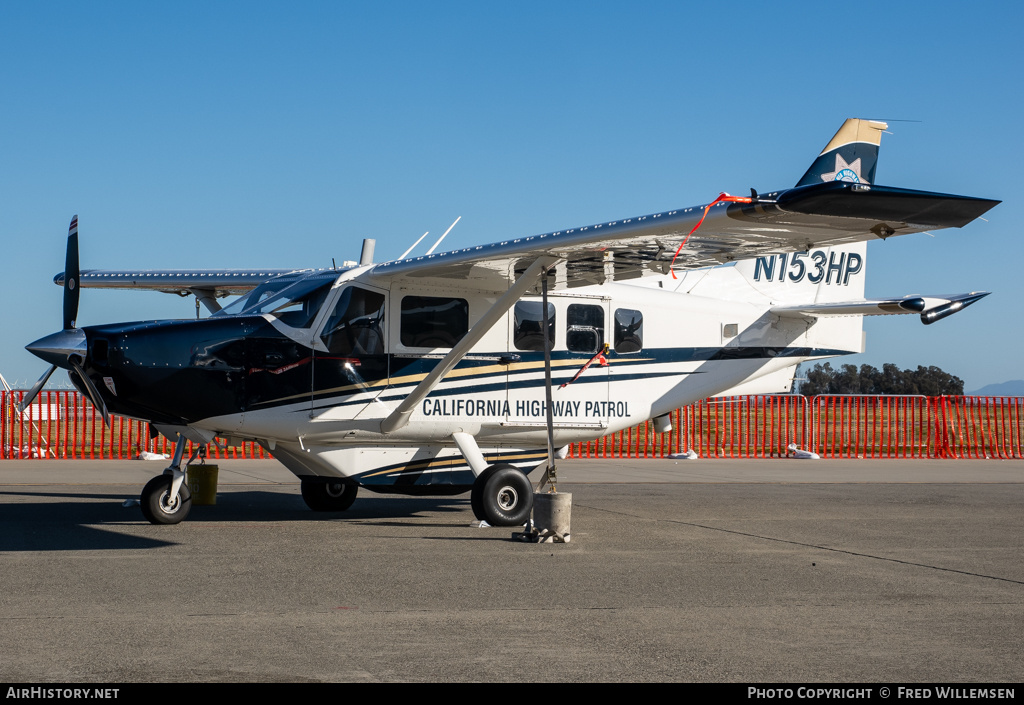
(61,521)
(269,505)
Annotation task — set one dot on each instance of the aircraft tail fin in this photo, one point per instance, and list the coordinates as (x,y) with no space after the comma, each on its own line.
(849,156)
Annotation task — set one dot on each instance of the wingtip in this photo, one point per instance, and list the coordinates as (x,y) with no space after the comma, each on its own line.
(959,303)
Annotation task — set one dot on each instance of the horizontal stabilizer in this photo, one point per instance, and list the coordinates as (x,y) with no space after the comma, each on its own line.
(931,308)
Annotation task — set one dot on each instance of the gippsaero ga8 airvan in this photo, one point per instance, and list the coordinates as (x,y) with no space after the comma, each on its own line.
(426,375)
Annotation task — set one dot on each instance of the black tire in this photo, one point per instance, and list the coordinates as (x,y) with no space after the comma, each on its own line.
(476,495)
(329,495)
(507,497)
(156,504)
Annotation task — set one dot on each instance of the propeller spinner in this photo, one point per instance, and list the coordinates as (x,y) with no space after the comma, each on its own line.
(68,347)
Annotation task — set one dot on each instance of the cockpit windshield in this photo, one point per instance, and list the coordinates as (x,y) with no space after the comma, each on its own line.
(293,302)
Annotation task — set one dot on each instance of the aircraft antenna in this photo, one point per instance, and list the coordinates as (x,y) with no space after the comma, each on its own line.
(406,253)
(443,236)
(366,256)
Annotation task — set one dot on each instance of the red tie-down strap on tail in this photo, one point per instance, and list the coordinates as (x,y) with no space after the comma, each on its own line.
(599,358)
(722,197)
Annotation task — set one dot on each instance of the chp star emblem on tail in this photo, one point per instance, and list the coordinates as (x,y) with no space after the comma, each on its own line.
(844,171)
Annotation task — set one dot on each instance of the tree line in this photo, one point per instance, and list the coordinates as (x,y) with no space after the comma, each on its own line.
(930,381)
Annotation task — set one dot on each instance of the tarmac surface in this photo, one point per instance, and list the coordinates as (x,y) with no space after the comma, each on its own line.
(889,572)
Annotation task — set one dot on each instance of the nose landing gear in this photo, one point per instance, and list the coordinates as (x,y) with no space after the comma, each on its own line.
(166,498)
(159,506)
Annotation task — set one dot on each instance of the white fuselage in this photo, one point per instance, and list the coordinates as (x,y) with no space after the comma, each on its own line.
(691,347)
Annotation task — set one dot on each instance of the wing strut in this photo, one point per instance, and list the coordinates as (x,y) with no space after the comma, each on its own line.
(471,452)
(206,297)
(550,471)
(400,416)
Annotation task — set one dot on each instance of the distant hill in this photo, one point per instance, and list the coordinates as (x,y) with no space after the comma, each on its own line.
(1013,388)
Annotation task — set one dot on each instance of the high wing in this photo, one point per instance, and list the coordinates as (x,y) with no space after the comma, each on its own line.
(224,282)
(207,285)
(835,203)
(801,218)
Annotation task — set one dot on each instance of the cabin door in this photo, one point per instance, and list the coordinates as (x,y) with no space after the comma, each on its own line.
(353,371)
(577,329)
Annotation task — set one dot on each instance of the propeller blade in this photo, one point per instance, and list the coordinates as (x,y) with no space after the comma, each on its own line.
(90,390)
(34,392)
(71,276)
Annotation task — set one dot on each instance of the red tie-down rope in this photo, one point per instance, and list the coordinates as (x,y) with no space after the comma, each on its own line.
(599,358)
(722,197)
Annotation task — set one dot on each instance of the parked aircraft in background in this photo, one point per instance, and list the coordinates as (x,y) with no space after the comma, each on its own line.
(426,375)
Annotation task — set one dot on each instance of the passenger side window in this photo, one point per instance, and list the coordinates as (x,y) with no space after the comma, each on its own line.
(529,324)
(433,321)
(629,330)
(584,331)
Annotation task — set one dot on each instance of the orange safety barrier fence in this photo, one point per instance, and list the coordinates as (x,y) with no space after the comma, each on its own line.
(835,426)
(879,426)
(981,427)
(64,424)
(728,427)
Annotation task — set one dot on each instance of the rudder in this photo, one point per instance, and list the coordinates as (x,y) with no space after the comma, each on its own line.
(851,155)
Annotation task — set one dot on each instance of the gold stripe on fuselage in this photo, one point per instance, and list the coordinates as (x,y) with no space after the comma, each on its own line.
(403,380)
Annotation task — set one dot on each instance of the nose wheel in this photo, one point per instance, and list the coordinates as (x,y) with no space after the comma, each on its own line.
(166,498)
(159,506)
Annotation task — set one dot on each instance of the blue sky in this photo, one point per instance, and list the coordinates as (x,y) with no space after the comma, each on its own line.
(281,134)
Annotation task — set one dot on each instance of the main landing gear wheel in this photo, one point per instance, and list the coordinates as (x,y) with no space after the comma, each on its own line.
(157,504)
(502,495)
(330,496)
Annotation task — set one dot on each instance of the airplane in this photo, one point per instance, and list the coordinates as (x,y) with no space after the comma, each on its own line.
(464,371)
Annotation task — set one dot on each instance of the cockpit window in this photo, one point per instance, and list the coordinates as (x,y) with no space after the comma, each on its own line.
(356,326)
(294,303)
